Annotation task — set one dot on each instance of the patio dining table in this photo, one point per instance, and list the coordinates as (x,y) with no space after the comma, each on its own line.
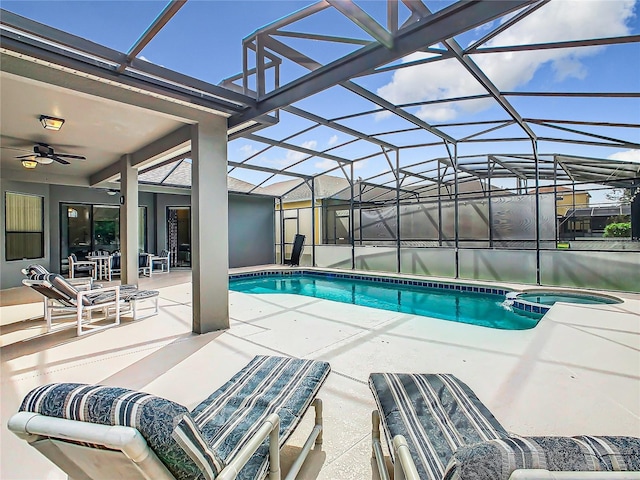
(102,265)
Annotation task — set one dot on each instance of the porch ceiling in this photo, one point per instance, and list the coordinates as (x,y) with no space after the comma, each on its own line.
(100,129)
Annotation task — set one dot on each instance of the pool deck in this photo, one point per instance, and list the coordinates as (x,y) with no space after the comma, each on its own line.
(577,372)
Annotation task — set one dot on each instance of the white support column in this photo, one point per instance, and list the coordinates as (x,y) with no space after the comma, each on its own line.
(128,221)
(209,226)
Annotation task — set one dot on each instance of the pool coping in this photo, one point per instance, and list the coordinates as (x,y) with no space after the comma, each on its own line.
(378,278)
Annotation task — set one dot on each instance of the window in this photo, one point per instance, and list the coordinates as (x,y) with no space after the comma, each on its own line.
(24,226)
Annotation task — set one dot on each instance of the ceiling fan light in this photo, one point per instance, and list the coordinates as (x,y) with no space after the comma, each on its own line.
(30,164)
(44,160)
(51,123)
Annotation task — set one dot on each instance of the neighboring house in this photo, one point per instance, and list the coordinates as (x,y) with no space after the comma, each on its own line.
(332,201)
(590,222)
(296,204)
(566,198)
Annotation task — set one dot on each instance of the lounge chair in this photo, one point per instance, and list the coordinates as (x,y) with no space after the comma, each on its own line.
(99,432)
(437,428)
(298,246)
(61,299)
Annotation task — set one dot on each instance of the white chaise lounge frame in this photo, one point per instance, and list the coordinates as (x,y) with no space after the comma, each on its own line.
(54,307)
(128,451)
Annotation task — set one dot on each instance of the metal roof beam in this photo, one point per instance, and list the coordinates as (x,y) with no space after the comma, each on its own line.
(258,168)
(361,18)
(488,85)
(448,22)
(296,148)
(512,21)
(336,126)
(544,121)
(322,38)
(554,45)
(311,64)
(621,143)
(161,20)
(468,63)
(288,20)
(508,168)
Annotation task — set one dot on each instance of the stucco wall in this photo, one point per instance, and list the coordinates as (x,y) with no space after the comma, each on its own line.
(251,230)
(251,224)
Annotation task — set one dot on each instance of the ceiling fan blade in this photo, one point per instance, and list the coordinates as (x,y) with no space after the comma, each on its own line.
(16,148)
(31,156)
(67,155)
(59,160)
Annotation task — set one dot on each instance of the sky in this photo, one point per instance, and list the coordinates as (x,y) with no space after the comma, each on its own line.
(204,40)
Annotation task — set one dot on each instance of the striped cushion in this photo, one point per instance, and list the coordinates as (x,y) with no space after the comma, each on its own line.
(166,426)
(36,269)
(436,413)
(281,385)
(497,459)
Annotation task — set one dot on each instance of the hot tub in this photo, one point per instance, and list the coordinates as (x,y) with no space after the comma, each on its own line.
(540,301)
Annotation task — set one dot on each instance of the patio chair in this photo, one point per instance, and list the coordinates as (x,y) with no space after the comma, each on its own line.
(436,428)
(144,264)
(298,246)
(115,265)
(100,432)
(162,259)
(81,266)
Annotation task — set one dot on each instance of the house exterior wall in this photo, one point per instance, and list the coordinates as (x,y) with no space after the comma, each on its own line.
(565,201)
(251,231)
(251,224)
(306,204)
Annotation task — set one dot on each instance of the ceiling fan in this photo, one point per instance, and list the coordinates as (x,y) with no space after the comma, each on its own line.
(44,154)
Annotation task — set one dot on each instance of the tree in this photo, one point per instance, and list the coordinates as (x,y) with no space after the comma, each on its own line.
(621,196)
(618,230)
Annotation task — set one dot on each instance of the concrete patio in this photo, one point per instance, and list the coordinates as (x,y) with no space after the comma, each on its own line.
(577,372)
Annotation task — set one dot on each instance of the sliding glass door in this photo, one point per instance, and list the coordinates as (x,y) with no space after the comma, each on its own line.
(89,228)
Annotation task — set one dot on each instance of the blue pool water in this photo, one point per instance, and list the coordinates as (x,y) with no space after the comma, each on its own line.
(482,309)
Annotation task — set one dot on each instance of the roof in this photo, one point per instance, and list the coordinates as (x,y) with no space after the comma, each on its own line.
(298,190)
(177,173)
(599,211)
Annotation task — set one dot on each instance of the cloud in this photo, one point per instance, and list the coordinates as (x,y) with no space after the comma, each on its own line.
(248,150)
(555,21)
(327,164)
(627,156)
(290,157)
(332,141)
(293,156)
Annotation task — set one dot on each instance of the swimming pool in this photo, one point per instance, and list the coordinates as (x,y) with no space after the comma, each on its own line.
(476,305)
